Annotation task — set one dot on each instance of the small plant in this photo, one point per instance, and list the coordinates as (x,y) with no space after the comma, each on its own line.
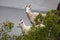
(8,25)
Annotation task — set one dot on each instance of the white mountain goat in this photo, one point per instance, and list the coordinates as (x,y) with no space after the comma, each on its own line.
(23,27)
(31,15)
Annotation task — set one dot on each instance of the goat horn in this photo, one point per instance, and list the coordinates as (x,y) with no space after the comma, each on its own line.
(20,19)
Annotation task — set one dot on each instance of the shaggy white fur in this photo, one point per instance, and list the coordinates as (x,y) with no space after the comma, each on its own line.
(23,27)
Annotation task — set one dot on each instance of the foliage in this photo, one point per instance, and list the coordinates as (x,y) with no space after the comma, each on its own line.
(5,28)
(8,25)
(5,37)
(38,19)
(50,20)
(36,32)
(8,37)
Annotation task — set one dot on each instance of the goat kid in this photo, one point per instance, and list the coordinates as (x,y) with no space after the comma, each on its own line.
(23,27)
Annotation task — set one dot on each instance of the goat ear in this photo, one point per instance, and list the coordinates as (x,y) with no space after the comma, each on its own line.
(20,19)
(29,5)
(26,5)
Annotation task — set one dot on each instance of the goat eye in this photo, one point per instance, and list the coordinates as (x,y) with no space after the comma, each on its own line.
(21,22)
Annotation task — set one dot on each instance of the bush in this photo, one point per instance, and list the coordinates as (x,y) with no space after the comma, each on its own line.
(50,21)
(8,25)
